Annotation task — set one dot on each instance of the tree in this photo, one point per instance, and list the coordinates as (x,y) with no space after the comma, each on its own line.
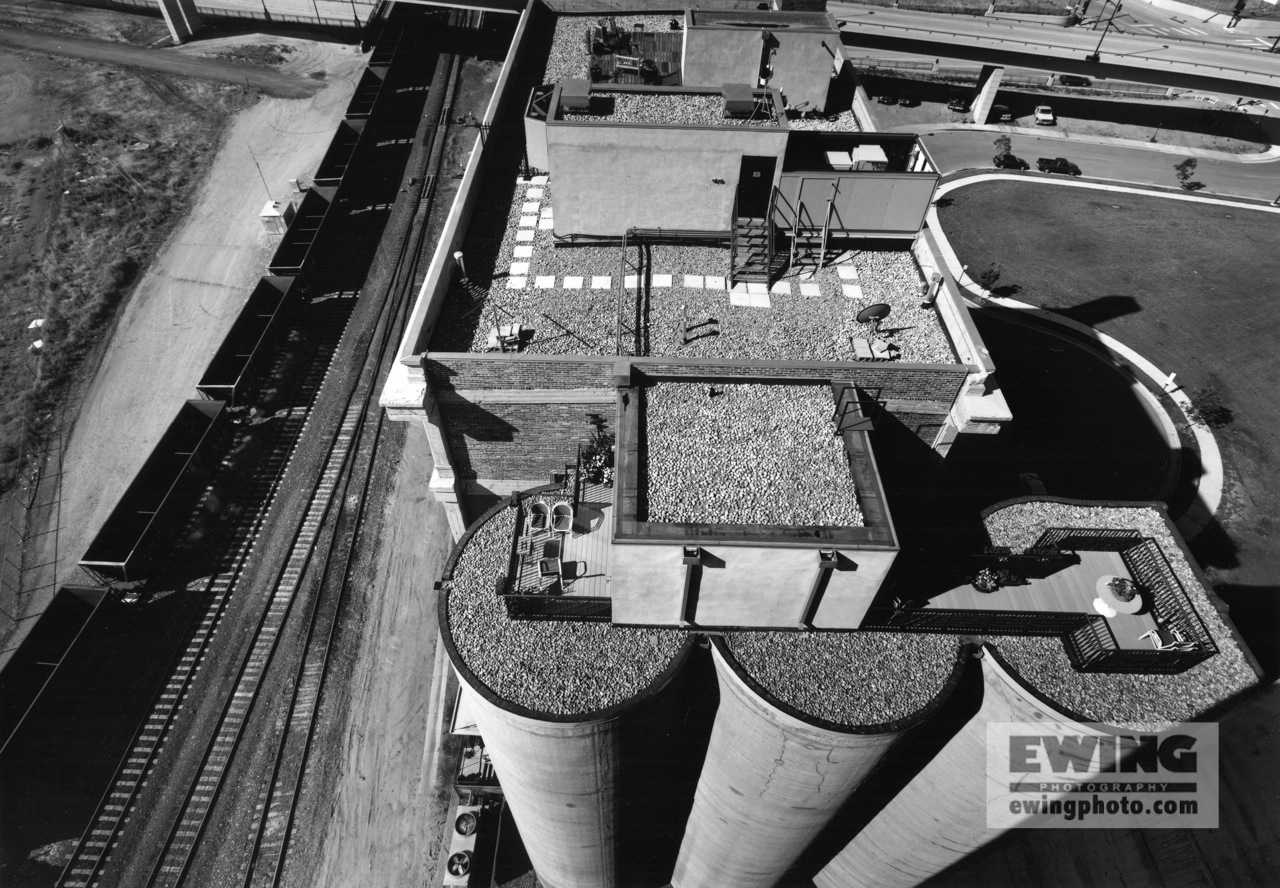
(989,276)
(1185,171)
(1004,145)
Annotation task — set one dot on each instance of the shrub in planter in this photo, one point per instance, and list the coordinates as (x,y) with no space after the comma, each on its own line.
(986,580)
(1123,589)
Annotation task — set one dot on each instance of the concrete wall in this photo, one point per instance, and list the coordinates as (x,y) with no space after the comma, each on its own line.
(560,780)
(940,816)
(769,784)
(606,178)
(757,586)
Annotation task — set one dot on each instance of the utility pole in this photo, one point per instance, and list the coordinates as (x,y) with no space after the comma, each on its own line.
(1114,10)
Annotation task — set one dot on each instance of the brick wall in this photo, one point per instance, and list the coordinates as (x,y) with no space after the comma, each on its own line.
(457,371)
(495,440)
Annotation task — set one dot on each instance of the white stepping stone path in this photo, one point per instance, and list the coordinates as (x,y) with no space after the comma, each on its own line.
(546,224)
(528,221)
(847,272)
(757,287)
(810,290)
(782,288)
(538,180)
(546,212)
(533,193)
(853,291)
(759,300)
(516,283)
(715,282)
(529,206)
(545,281)
(524,251)
(519,268)
(524,235)
(693,281)
(573,283)
(662,280)
(601,282)
(739,296)
(630,281)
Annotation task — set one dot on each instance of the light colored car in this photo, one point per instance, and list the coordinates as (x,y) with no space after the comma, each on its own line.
(1044,116)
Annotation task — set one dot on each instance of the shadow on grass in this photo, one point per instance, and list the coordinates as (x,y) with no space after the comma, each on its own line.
(1255,611)
(1101,310)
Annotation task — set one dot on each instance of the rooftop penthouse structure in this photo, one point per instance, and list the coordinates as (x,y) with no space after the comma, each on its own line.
(666,332)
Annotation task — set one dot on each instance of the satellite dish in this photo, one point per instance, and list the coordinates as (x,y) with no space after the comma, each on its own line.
(874,314)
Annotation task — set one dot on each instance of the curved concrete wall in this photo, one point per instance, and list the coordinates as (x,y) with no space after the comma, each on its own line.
(560,780)
(769,784)
(940,817)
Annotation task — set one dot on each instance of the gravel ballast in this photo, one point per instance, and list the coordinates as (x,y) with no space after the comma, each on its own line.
(552,667)
(669,109)
(848,678)
(753,454)
(1145,702)
(569,56)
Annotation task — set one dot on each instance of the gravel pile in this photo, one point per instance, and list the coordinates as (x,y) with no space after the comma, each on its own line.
(1147,702)
(569,55)
(844,122)
(753,454)
(675,109)
(558,668)
(849,678)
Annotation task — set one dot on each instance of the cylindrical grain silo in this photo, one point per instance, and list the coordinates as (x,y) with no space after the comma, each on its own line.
(792,741)
(940,817)
(547,697)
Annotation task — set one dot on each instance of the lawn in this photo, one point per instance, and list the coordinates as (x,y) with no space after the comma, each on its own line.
(1186,284)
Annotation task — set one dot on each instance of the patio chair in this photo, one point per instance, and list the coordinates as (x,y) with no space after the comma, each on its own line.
(562,517)
(539,515)
(505,338)
(551,568)
(1166,638)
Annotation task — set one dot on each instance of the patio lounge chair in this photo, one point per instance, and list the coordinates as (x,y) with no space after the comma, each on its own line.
(562,517)
(539,515)
(1166,638)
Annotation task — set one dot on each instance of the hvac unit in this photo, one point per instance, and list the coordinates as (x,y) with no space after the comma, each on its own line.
(739,100)
(462,846)
(575,96)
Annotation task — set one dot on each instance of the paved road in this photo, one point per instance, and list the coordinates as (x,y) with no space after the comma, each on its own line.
(1122,55)
(961,150)
(272,82)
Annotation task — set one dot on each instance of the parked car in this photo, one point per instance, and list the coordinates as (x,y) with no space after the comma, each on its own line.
(1009,162)
(1044,116)
(1000,114)
(887,100)
(958,103)
(908,101)
(1073,80)
(1057,165)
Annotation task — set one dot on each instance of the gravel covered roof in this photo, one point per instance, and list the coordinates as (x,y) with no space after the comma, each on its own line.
(551,667)
(848,678)
(1147,702)
(753,454)
(569,57)
(670,109)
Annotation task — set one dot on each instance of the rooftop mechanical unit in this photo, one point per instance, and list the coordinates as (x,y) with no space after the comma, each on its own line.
(739,100)
(575,96)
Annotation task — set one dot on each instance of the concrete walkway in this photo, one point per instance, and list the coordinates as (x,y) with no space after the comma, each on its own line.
(1210,483)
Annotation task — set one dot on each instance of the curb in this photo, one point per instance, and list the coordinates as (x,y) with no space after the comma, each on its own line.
(1210,483)
(1270,155)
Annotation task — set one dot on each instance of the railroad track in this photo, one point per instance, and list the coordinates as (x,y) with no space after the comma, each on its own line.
(355,441)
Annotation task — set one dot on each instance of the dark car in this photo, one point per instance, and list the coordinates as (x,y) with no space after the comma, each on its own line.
(1000,114)
(1072,80)
(1009,162)
(887,100)
(958,103)
(1057,165)
(908,101)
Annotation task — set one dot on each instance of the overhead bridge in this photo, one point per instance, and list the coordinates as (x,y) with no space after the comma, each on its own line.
(1112,56)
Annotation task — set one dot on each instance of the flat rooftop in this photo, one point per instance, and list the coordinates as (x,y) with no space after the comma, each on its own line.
(745,454)
(566,299)
(647,37)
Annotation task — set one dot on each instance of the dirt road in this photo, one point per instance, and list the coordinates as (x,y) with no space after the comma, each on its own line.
(287,83)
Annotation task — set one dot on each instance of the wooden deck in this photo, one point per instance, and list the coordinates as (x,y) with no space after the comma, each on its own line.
(1068,591)
(664,47)
(586,551)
